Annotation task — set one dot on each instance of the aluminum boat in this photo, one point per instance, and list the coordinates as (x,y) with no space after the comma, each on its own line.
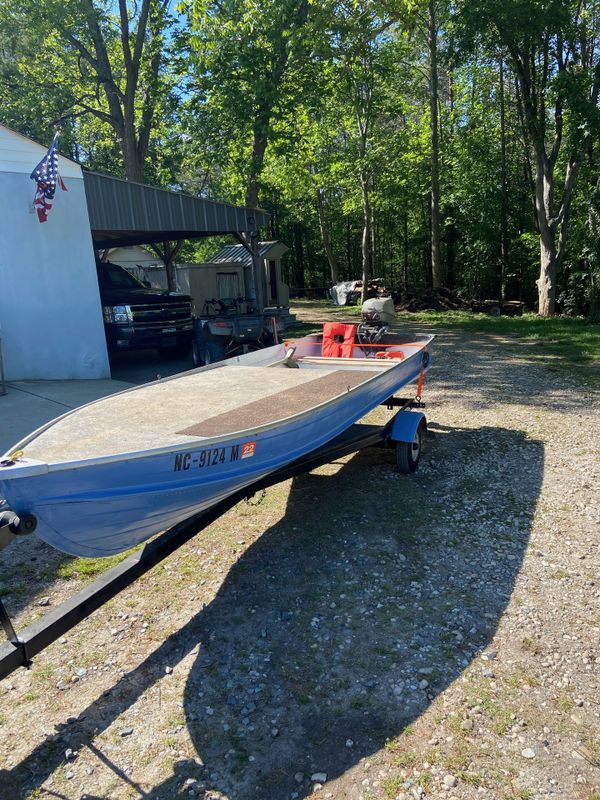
(110,474)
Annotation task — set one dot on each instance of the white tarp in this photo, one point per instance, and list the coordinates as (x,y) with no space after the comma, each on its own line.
(339,293)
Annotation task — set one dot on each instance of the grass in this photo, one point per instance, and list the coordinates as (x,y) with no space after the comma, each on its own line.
(500,715)
(571,343)
(359,702)
(563,342)
(82,567)
(392,786)
(473,778)
(402,758)
(565,702)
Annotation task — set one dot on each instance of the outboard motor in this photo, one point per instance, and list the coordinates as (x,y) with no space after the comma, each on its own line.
(376,315)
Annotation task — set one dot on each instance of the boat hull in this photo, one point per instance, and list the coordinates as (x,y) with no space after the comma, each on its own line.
(104,508)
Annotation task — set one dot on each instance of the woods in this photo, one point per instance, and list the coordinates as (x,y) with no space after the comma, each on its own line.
(427,143)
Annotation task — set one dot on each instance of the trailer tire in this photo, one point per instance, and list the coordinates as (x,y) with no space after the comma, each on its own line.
(408,454)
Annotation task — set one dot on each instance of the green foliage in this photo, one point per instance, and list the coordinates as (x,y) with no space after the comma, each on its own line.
(571,343)
(312,108)
(80,567)
(81,67)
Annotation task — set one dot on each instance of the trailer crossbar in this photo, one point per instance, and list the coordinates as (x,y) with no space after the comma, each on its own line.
(21,648)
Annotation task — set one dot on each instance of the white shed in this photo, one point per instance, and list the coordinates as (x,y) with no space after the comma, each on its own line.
(50,315)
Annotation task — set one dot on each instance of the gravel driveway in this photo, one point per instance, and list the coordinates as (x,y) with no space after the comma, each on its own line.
(356,633)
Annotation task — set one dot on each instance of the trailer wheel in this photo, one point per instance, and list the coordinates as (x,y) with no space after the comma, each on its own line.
(409,453)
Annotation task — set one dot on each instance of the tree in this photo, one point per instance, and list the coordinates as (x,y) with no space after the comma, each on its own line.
(553,48)
(108,60)
(432,44)
(359,49)
(243,51)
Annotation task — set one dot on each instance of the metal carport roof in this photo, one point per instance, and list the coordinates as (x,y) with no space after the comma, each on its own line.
(125,213)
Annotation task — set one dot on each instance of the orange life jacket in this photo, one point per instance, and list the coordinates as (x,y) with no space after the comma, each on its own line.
(338,340)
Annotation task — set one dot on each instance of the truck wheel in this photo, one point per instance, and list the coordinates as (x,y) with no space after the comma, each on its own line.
(196,355)
(409,453)
(178,351)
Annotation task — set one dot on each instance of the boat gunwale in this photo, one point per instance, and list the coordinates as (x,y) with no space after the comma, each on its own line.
(201,443)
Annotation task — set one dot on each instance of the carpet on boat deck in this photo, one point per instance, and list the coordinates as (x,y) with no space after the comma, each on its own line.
(279,405)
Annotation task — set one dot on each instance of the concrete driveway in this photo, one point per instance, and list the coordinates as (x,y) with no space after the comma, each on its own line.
(146,365)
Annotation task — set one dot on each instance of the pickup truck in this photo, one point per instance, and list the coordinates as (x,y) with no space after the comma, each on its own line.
(138,317)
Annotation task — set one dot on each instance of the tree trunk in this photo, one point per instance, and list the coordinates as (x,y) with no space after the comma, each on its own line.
(349,252)
(373,229)
(405,270)
(259,147)
(134,169)
(325,238)
(450,247)
(504,193)
(436,273)
(298,273)
(546,283)
(365,242)
(167,253)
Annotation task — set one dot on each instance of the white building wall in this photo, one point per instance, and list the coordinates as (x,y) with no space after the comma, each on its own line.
(50,314)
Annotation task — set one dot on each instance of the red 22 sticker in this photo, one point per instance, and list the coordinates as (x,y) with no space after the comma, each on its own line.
(248,450)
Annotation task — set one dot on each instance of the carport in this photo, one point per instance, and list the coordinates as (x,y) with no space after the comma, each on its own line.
(123,213)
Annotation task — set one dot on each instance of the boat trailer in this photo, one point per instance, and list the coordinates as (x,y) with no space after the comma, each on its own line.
(404,431)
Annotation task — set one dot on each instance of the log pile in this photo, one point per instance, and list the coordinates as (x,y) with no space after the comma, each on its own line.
(440,299)
(375,288)
(443,299)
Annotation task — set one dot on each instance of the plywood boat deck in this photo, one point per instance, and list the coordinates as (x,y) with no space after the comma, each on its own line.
(189,408)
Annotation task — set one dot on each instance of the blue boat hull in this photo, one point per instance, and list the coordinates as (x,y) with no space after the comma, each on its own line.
(105,508)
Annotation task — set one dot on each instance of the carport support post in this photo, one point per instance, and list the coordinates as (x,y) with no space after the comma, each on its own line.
(251,244)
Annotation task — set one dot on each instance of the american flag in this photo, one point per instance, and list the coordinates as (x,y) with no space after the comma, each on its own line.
(46,177)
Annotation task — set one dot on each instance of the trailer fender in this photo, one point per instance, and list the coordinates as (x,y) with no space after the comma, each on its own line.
(406,424)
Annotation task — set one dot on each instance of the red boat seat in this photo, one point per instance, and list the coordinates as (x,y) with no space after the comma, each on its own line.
(338,340)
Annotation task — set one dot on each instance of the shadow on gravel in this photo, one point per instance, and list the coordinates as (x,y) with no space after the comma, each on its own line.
(342,622)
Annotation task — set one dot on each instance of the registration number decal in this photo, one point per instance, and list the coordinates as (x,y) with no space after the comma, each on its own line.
(213,456)
(249,449)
